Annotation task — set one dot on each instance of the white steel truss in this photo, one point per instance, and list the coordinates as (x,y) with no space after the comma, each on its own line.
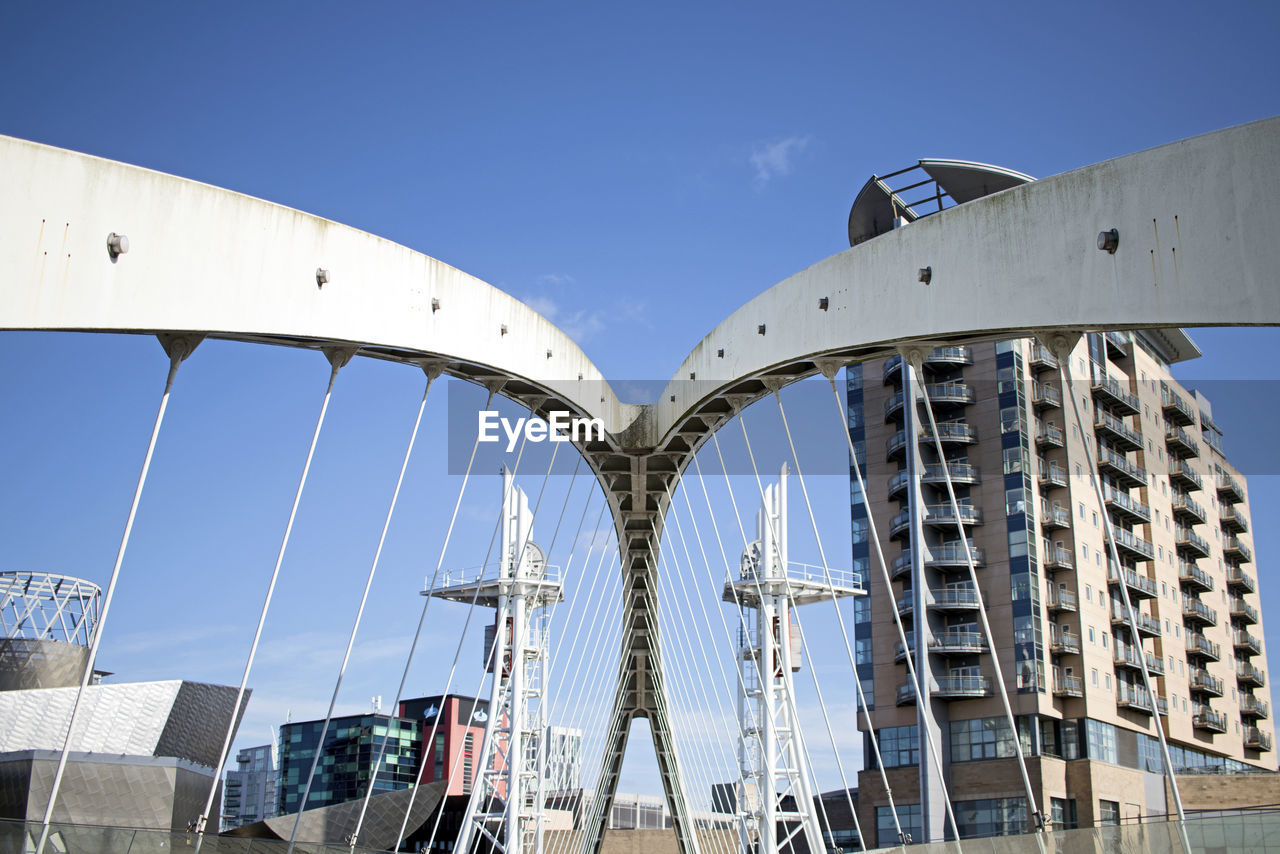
(775,795)
(508,798)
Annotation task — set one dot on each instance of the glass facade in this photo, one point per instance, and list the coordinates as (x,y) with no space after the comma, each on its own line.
(350,748)
(908,817)
(859,527)
(991,817)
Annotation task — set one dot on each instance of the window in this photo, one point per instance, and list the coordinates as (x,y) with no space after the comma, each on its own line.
(908,818)
(985,738)
(1108,812)
(1102,741)
(1088,593)
(899,746)
(991,817)
(1063,812)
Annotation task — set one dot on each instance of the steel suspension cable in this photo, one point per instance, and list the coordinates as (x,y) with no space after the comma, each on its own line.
(829,371)
(1037,817)
(337,359)
(422,618)
(1063,353)
(177,348)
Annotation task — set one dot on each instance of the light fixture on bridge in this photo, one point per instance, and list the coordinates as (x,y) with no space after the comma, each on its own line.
(322,277)
(117,245)
(1109,240)
(926,275)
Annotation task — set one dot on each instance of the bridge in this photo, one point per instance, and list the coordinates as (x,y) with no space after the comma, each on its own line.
(1176,236)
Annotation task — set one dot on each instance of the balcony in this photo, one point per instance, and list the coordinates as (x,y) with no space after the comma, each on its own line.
(1052,475)
(1052,518)
(949,433)
(1256,739)
(1181,473)
(1131,657)
(1068,686)
(1117,344)
(1190,543)
(1123,506)
(1234,548)
(1186,510)
(1245,643)
(1180,443)
(900,652)
(934,473)
(1202,682)
(1124,472)
(907,604)
(958,643)
(1247,674)
(1139,585)
(956,597)
(900,566)
(1041,359)
(1232,519)
(1242,611)
(1207,719)
(1198,646)
(1252,707)
(949,687)
(1050,436)
(1057,558)
(1240,581)
(937,356)
(949,393)
(1195,611)
(1060,599)
(1064,644)
(1229,489)
(1193,577)
(944,515)
(1116,431)
(1148,626)
(950,555)
(1176,409)
(1109,392)
(1044,396)
(1132,543)
(1137,699)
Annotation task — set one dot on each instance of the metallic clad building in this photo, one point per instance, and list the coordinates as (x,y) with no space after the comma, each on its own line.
(47,622)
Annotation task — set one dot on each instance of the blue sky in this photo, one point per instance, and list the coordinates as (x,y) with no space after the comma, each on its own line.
(635,173)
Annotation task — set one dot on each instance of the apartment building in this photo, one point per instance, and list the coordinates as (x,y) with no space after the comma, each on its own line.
(1072,661)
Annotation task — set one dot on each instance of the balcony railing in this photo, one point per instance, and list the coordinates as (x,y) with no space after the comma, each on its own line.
(1234,547)
(945,514)
(1190,542)
(1232,519)
(1051,437)
(1138,584)
(1256,739)
(1247,674)
(1205,683)
(1053,475)
(1228,489)
(1176,410)
(1200,646)
(1131,542)
(1045,396)
(1246,643)
(1060,599)
(1184,507)
(1064,644)
(1120,434)
(1057,558)
(952,554)
(956,596)
(1180,472)
(1195,611)
(1068,686)
(1147,625)
(1055,517)
(1120,467)
(1042,359)
(949,687)
(1240,581)
(1122,504)
(1111,393)
(1194,577)
(1242,611)
(1252,707)
(936,356)
(1136,698)
(1207,719)
(1117,344)
(961,473)
(1179,442)
(958,642)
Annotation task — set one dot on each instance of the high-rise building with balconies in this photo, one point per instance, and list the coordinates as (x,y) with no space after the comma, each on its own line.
(1071,658)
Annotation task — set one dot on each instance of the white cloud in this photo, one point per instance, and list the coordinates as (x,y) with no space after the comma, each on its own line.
(580,325)
(773,159)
